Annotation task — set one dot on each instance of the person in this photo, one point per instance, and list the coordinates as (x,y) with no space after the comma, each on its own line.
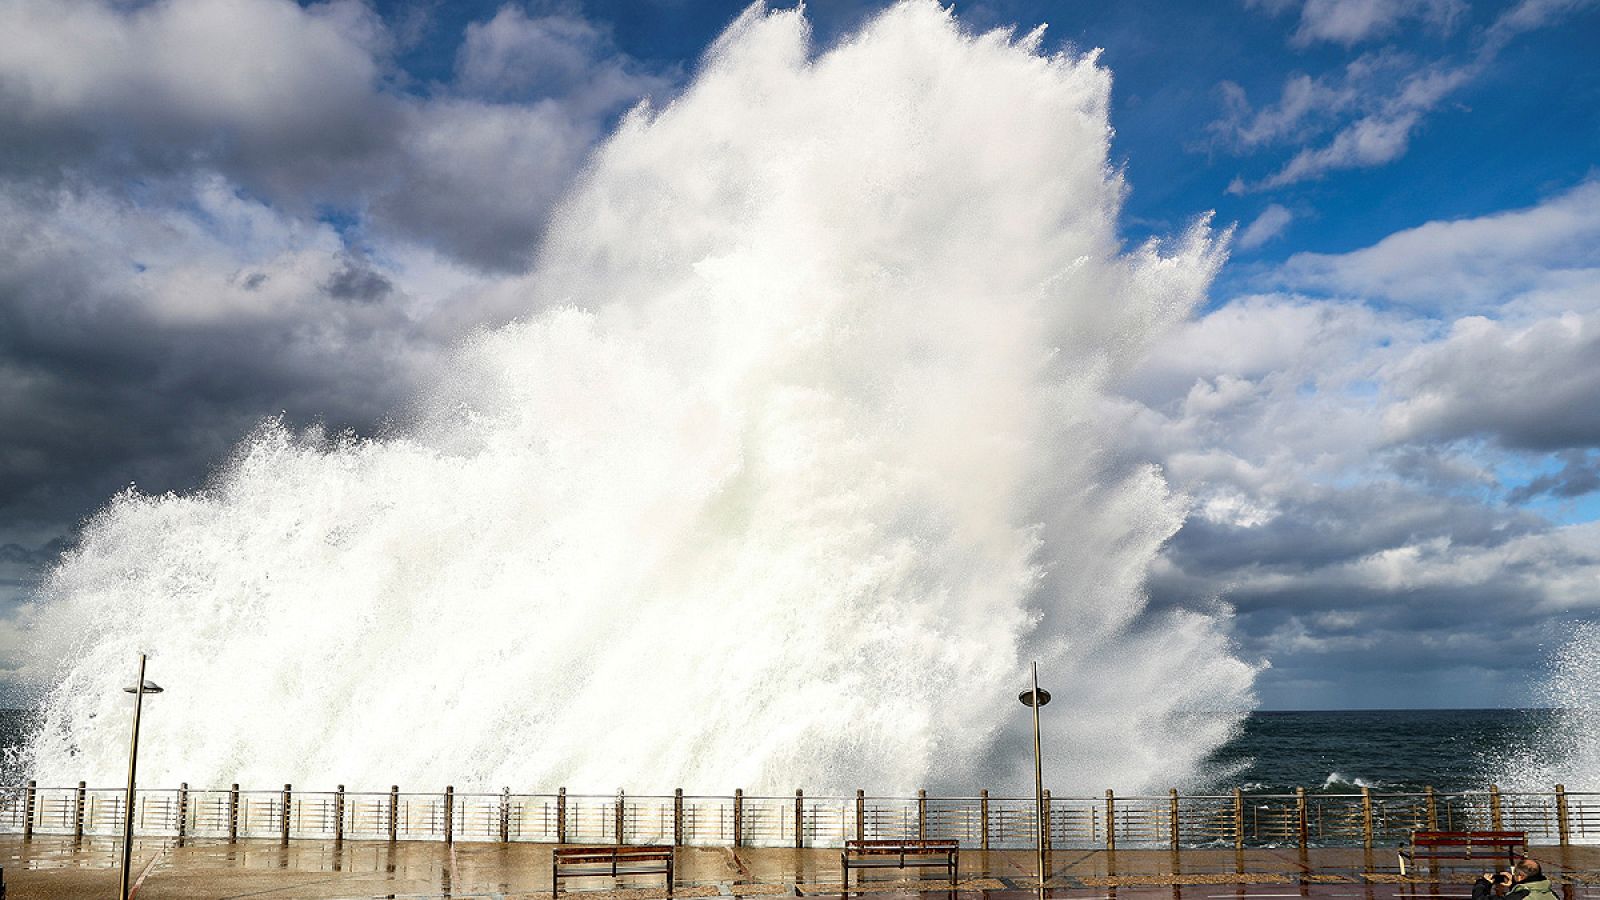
(1523,881)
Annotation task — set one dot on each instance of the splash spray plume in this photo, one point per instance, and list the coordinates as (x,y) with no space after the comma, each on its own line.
(796,461)
(1566,750)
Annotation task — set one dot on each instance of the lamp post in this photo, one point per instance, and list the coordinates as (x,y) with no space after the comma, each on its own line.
(140,688)
(1035,699)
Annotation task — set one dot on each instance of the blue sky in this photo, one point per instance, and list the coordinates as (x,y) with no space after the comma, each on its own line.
(1387,413)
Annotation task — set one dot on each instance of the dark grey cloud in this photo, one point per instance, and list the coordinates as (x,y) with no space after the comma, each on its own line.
(215,211)
(1342,525)
(355,281)
(1358,462)
(298,106)
(110,375)
(1530,388)
(1579,475)
(282,98)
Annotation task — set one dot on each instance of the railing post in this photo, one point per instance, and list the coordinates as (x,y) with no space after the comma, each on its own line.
(617,829)
(183,809)
(1111,820)
(1366,817)
(1049,839)
(983,816)
(1562,826)
(861,814)
(922,814)
(799,818)
(1433,809)
(29,804)
(1238,819)
(505,815)
(1172,822)
(449,814)
(561,815)
(283,822)
(677,817)
(338,815)
(738,817)
(1495,822)
(1300,815)
(394,812)
(233,814)
(77,814)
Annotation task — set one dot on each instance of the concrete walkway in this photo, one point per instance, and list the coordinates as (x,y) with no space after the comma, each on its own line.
(55,867)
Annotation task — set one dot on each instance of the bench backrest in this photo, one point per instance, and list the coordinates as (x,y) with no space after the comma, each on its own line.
(607,854)
(880,845)
(1463,838)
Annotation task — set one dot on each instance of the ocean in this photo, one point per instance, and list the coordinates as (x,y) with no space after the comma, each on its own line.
(1387,750)
(1334,752)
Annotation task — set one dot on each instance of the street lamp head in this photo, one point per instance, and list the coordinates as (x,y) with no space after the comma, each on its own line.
(1026,697)
(150,687)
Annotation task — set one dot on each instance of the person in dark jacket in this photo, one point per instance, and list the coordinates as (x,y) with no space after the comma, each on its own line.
(1524,881)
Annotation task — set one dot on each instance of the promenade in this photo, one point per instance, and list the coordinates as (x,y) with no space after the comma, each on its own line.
(55,867)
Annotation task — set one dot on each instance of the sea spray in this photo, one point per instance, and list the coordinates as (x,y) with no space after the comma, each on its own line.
(794,463)
(1563,748)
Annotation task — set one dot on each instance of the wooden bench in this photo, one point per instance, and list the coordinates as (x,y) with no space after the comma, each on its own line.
(890,854)
(577,862)
(1469,845)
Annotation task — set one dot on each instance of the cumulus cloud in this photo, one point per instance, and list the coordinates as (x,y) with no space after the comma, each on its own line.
(294,105)
(1531,387)
(1469,264)
(214,211)
(266,88)
(1359,462)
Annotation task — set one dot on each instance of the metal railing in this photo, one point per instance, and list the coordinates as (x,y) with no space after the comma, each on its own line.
(982,822)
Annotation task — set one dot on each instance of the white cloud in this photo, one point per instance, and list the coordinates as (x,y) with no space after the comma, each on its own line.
(1381,99)
(1550,250)
(514,56)
(1532,386)
(1270,224)
(1302,107)
(261,69)
(292,104)
(1359,465)
(1529,15)
(1351,21)
(1380,136)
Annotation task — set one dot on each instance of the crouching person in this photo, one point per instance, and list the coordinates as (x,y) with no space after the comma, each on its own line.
(1524,881)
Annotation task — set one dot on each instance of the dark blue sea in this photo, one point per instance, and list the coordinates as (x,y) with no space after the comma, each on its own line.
(1387,750)
(1338,752)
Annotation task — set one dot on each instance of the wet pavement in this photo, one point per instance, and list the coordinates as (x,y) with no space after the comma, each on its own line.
(58,867)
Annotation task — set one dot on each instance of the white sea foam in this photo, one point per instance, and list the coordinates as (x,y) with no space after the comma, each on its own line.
(795,463)
(1336,780)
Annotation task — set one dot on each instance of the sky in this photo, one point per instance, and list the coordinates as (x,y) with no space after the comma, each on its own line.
(1386,416)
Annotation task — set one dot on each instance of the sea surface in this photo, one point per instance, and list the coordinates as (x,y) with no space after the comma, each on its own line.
(1386,750)
(1336,752)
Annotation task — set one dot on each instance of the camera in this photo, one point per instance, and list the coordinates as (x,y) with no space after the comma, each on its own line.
(1502,878)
